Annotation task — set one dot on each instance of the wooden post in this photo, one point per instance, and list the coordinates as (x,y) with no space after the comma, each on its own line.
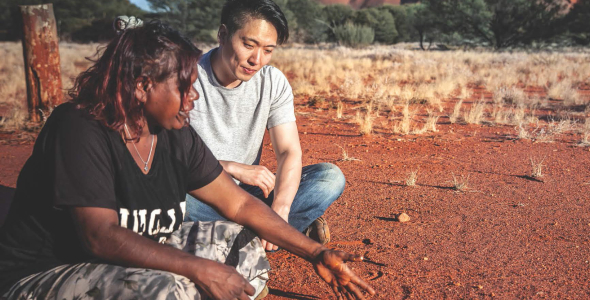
(41,54)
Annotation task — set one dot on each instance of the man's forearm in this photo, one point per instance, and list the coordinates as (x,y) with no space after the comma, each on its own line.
(287,179)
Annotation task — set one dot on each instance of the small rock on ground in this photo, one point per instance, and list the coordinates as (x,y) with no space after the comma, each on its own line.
(403,217)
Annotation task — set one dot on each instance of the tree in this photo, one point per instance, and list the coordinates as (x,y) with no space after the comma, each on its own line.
(289,15)
(353,35)
(336,15)
(423,22)
(70,15)
(577,22)
(400,17)
(500,23)
(308,17)
(198,19)
(381,21)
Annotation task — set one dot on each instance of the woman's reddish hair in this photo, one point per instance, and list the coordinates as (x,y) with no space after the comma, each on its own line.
(155,51)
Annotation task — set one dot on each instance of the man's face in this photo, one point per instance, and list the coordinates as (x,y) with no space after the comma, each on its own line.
(248,49)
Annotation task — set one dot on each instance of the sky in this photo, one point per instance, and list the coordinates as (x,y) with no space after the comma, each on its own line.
(143,4)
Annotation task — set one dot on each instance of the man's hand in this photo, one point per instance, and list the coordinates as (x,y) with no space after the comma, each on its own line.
(222,282)
(283,212)
(258,176)
(331,267)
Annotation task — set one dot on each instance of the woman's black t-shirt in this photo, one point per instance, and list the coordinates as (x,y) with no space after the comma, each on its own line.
(77,162)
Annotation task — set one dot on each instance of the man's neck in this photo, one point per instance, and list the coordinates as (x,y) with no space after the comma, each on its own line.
(223,76)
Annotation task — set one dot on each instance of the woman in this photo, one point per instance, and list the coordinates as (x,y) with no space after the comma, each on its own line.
(100,202)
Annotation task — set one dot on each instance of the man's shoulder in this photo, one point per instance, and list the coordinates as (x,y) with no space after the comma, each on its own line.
(272,71)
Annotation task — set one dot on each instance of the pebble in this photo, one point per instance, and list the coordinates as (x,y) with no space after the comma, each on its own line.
(403,217)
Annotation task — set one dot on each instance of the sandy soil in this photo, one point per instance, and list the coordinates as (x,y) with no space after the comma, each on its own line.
(506,236)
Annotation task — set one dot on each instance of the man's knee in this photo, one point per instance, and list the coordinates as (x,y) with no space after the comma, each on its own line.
(330,180)
(334,176)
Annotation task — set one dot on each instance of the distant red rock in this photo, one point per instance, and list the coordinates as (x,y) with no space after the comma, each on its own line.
(366,3)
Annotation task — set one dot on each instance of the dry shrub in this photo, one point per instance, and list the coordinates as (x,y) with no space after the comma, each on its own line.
(454,117)
(509,95)
(412,178)
(431,121)
(12,82)
(345,156)
(564,90)
(476,112)
(460,184)
(365,121)
(339,108)
(404,126)
(585,132)
(16,118)
(536,167)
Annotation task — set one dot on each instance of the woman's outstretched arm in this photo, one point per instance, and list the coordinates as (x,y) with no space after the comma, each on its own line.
(237,205)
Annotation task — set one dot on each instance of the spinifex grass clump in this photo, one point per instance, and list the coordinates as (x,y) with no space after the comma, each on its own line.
(412,178)
(536,168)
(460,184)
(345,156)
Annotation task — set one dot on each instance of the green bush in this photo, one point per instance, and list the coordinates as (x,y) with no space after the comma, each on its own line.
(352,35)
(381,21)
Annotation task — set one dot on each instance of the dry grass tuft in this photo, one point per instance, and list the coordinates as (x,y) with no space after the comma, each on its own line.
(476,112)
(585,131)
(404,126)
(412,178)
(345,156)
(365,122)
(460,184)
(339,108)
(454,117)
(16,118)
(536,167)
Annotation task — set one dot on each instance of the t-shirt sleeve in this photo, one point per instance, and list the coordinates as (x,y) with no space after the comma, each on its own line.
(202,165)
(83,170)
(282,109)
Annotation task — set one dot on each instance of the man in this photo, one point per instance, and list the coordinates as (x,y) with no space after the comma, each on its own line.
(241,96)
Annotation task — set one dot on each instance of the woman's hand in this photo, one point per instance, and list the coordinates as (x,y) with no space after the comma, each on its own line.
(331,267)
(222,282)
(254,175)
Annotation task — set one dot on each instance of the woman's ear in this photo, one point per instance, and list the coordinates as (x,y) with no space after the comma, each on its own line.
(142,86)
(222,34)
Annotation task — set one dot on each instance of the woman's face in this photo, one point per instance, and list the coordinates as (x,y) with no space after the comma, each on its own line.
(163,104)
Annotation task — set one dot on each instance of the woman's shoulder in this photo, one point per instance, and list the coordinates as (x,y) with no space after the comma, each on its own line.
(183,137)
(68,121)
(70,113)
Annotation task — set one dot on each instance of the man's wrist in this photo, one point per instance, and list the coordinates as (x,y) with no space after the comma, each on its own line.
(228,167)
(281,208)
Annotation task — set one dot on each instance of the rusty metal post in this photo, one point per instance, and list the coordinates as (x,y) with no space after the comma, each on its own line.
(41,54)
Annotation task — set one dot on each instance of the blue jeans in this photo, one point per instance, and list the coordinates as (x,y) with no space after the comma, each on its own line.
(320,185)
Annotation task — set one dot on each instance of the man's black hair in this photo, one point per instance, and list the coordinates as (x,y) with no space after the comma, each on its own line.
(236,13)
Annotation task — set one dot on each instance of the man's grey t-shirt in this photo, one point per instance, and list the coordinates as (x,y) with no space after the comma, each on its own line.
(232,121)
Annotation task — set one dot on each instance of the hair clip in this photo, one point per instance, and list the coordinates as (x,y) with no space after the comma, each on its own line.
(123,23)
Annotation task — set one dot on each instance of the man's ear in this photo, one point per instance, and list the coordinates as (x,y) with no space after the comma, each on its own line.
(222,34)
(142,86)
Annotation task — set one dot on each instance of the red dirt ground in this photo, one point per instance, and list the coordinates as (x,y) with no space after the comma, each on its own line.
(507,236)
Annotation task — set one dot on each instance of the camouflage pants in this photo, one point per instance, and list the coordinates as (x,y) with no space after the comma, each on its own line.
(222,241)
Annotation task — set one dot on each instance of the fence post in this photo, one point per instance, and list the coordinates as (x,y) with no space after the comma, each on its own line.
(41,54)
